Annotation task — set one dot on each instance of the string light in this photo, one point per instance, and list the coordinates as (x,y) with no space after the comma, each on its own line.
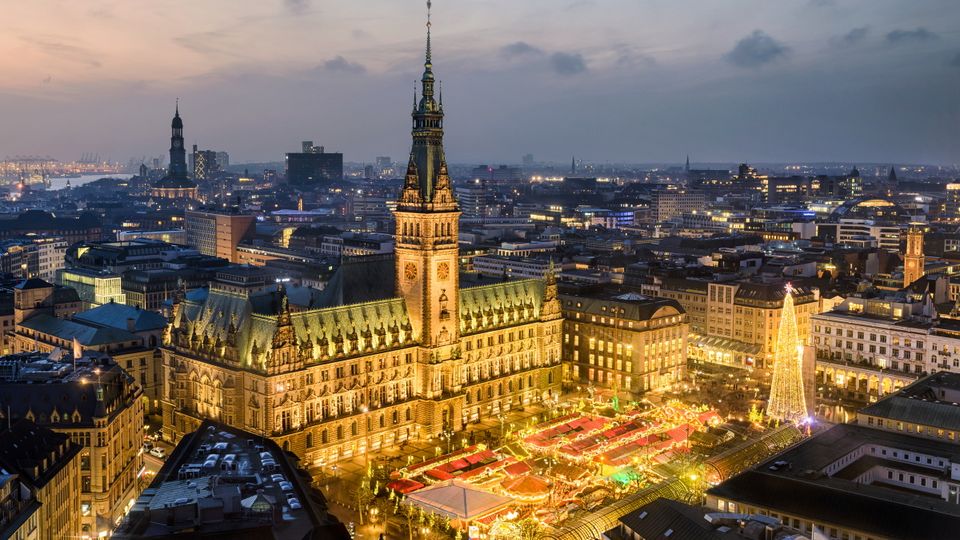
(787,401)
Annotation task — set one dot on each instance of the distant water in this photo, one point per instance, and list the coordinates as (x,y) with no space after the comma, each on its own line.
(60,183)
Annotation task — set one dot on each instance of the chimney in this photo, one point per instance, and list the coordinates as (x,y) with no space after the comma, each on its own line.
(131,324)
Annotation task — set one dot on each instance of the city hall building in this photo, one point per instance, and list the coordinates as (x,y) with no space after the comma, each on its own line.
(392,349)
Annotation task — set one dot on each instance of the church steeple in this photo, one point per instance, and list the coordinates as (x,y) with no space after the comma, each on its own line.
(178,153)
(426,155)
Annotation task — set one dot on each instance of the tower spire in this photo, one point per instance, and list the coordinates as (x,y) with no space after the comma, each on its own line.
(426,156)
(428,60)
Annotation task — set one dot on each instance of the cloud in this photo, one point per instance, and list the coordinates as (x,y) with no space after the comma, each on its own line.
(568,63)
(917,35)
(64,51)
(955,61)
(519,48)
(297,7)
(341,64)
(627,57)
(756,50)
(854,36)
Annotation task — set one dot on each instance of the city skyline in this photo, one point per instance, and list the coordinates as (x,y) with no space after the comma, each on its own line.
(865,81)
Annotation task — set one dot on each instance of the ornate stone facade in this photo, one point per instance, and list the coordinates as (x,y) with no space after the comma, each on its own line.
(330,380)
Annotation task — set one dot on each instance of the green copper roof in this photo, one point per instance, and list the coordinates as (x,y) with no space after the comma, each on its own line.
(501,304)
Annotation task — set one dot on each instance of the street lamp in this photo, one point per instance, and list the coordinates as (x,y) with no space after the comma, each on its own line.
(447,435)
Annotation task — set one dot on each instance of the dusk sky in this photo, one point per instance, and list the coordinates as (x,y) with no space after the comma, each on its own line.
(606,80)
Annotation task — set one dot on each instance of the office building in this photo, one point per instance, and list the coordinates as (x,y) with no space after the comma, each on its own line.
(217,232)
(94,287)
(350,244)
(86,227)
(384,167)
(20,519)
(205,164)
(129,335)
(667,203)
(49,462)
(33,257)
(475,199)
(35,296)
(498,266)
(173,236)
(91,399)
(735,323)
(626,344)
(868,347)
(313,166)
(502,174)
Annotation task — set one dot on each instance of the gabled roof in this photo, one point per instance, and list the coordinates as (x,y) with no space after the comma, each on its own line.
(116,315)
(85,334)
(26,448)
(361,280)
(373,326)
(505,303)
(32,283)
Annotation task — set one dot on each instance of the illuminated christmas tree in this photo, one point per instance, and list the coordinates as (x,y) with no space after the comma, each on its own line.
(787,402)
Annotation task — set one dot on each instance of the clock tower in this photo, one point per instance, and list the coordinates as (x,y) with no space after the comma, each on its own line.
(427,253)
(913,259)
(427,226)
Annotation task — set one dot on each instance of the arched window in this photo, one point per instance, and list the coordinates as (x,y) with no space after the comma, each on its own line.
(323,437)
(353,428)
(309,440)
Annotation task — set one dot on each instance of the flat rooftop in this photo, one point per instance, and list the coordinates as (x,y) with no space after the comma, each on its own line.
(795,482)
(225,482)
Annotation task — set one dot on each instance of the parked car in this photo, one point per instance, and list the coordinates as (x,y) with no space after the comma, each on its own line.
(158,452)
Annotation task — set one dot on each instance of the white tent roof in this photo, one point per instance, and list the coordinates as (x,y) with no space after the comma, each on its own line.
(457,500)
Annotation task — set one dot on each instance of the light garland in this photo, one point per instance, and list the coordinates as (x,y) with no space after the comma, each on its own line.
(787,403)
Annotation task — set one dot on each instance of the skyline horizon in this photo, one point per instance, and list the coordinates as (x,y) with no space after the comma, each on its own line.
(609,102)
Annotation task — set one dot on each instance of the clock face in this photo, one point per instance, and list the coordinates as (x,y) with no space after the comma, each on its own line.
(410,271)
(443,270)
(176,144)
